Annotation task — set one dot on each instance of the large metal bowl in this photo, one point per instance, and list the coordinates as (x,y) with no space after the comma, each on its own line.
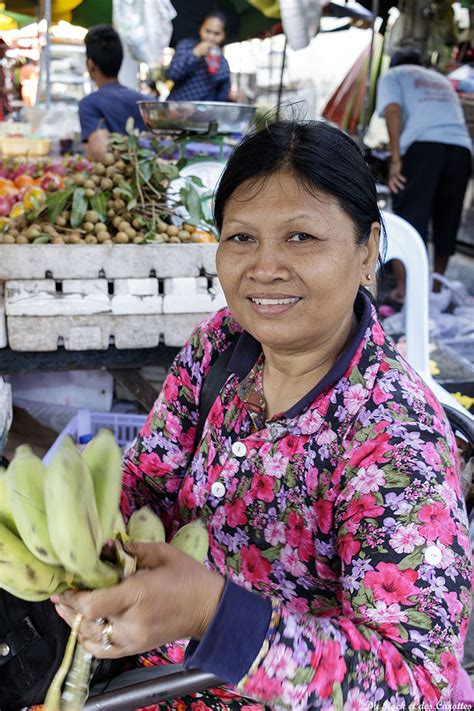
(209,117)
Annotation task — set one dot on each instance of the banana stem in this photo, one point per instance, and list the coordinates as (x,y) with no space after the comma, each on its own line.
(52,701)
(76,689)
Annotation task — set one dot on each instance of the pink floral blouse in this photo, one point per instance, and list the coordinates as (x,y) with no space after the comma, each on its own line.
(341,520)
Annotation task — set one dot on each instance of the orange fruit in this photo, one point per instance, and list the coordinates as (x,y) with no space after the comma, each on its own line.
(23,180)
(203,237)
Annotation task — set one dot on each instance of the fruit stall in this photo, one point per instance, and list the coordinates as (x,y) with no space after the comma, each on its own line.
(117,254)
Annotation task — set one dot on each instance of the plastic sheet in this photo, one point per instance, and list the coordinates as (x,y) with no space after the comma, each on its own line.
(145,26)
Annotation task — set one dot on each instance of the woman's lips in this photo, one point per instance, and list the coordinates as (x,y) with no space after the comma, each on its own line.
(273,306)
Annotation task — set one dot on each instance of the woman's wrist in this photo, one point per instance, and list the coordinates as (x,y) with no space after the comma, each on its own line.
(210,599)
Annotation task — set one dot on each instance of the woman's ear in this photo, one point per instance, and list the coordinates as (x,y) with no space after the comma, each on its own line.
(371,248)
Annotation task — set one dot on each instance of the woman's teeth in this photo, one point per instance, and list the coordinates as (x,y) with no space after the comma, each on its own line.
(273,302)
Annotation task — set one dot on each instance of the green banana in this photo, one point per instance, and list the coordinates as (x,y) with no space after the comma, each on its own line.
(193,539)
(6,516)
(145,526)
(24,575)
(104,459)
(25,487)
(73,519)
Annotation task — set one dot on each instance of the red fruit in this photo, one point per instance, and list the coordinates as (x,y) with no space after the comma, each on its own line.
(51,182)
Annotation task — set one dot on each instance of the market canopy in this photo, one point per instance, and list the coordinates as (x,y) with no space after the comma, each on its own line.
(244,20)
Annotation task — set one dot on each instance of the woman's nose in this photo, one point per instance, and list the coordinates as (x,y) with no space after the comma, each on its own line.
(268,263)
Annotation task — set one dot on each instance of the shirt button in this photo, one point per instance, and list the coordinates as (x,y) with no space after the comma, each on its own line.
(218,489)
(239,449)
(433,555)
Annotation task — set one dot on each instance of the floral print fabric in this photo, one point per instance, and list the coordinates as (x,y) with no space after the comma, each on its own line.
(348,516)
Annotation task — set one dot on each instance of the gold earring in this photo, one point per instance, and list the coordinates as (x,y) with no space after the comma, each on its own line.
(368,277)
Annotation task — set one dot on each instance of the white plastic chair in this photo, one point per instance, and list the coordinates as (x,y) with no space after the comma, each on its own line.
(404,243)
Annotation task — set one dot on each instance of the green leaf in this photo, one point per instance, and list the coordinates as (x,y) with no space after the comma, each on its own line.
(99,204)
(395,365)
(412,560)
(419,619)
(132,204)
(196,180)
(146,170)
(395,479)
(303,676)
(79,207)
(337,698)
(192,202)
(356,377)
(272,553)
(42,239)
(56,203)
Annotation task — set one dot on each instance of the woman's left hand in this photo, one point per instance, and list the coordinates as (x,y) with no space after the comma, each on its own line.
(170,597)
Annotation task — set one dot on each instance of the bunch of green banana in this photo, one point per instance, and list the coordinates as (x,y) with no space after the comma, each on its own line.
(73,517)
(145,526)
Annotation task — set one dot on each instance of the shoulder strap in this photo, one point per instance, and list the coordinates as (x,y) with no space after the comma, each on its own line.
(213,383)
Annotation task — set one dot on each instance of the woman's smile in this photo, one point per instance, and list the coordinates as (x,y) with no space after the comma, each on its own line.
(272,304)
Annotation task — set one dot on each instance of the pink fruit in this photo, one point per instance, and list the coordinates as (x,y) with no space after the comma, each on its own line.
(5,206)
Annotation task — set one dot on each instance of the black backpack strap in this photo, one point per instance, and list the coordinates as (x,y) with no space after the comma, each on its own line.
(212,385)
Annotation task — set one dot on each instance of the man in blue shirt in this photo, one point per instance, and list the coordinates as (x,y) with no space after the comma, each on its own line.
(199,70)
(109,108)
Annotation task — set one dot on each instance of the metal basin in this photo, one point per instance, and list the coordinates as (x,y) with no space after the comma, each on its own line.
(210,117)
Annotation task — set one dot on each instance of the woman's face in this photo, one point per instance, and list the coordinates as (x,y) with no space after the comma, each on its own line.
(212,30)
(289,264)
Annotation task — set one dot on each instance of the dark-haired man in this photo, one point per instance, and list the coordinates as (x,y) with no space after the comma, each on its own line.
(109,108)
(431,153)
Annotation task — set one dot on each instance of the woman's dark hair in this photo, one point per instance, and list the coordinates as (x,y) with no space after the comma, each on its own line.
(218,15)
(104,47)
(321,157)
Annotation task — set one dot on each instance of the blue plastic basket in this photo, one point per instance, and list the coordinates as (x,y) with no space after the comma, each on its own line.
(86,424)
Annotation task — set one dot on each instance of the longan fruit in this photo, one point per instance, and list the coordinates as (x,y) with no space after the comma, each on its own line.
(21,239)
(119,204)
(99,169)
(57,240)
(89,193)
(61,221)
(100,227)
(109,158)
(174,239)
(122,238)
(89,184)
(91,239)
(88,226)
(184,235)
(172,230)
(131,232)
(8,239)
(91,216)
(124,225)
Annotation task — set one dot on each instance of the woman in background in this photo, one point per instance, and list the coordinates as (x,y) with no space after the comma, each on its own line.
(199,70)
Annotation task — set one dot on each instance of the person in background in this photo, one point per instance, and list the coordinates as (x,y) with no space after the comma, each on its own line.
(338,572)
(431,154)
(109,108)
(199,70)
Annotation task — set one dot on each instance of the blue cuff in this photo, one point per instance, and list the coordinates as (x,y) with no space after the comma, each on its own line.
(234,637)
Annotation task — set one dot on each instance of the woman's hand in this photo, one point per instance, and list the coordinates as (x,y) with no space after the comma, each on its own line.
(202,49)
(170,597)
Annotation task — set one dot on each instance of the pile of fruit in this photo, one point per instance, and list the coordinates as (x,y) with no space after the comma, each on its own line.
(124,199)
(55,522)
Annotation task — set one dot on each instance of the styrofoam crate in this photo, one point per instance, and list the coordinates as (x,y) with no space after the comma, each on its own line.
(117,261)
(188,295)
(40,297)
(98,331)
(124,426)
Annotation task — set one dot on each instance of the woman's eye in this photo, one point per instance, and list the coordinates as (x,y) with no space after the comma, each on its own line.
(240,237)
(301,237)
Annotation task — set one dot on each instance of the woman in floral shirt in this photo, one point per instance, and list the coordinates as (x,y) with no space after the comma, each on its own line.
(338,573)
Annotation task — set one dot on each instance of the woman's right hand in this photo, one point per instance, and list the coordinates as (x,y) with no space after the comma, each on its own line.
(202,49)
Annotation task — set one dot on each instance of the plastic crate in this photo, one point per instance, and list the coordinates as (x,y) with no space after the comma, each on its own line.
(125,428)
(20,146)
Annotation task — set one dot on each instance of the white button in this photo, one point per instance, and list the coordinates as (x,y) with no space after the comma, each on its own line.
(239,449)
(218,489)
(433,555)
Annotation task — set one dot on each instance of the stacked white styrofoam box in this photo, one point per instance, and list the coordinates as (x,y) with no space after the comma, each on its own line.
(89,301)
